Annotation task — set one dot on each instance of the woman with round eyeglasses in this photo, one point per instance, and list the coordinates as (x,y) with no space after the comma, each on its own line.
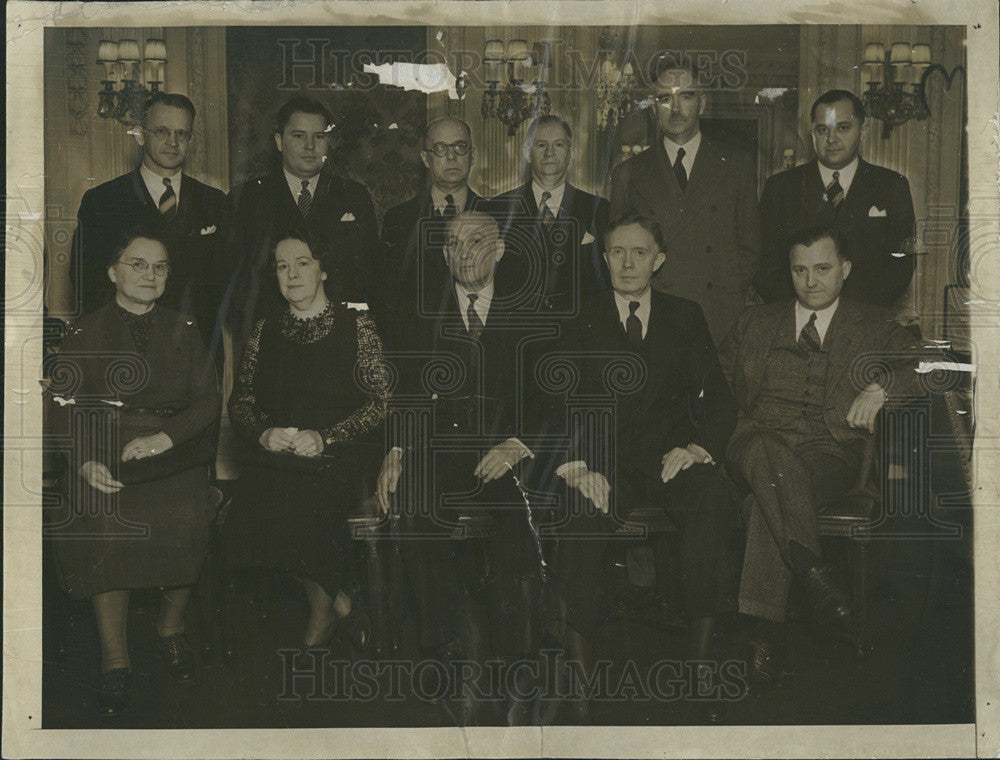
(309,401)
(137,394)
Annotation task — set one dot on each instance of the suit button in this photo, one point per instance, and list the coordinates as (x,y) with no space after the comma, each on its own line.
(708,249)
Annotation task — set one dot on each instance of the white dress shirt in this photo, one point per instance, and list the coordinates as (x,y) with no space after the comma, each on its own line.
(845,176)
(439,203)
(482,305)
(295,185)
(642,312)
(690,151)
(154,183)
(555,198)
(823,317)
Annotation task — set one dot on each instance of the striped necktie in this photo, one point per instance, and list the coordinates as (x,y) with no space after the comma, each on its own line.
(475,323)
(809,337)
(633,326)
(547,217)
(834,192)
(305,200)
(168,201)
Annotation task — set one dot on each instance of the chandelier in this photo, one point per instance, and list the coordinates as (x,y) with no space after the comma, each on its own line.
(517,100)
(139,78)
(896,80)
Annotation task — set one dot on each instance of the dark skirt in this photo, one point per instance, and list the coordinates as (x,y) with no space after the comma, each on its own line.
(294,522)
(147,535)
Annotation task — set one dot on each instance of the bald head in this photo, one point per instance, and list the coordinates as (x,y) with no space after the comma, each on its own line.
(448,153)
(472,249)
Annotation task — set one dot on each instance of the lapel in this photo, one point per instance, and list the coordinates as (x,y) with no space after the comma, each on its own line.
(660,185)
(471,199)
(759,347)
(286,208)
(855,203)
(141,192)
(842,337)
(703,179)
(323,188)
(813,205)
(185,204)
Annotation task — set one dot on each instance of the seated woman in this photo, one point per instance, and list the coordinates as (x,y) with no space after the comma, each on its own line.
(302,411)
(142,413)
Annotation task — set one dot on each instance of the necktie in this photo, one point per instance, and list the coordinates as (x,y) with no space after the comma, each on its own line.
(679,171)
(449,209)
(475,323)
(305,200)
(547,217)
(633,326)
(809,337)
(834,192)
(168,201)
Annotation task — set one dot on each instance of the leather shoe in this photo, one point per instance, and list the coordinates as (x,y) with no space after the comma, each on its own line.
(827,603)
(763,663)
(357,628)
(112,699)
(178,657)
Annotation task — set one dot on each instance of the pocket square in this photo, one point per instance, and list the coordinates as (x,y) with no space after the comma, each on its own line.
(588,238)
(208,230)
(876,211)
(348,217)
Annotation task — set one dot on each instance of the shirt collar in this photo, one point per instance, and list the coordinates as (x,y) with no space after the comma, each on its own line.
(690,148)
(823,317)
(154,182)
(295,183)
(845,176)
(555,199)
(642,312)
(438,202)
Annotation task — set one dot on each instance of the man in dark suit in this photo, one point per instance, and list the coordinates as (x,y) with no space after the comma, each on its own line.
(551,228)
(413,231)
(299,195)
(189,215)
(703,192)
(455,428)
(672,417)
(869,205)
(794,368)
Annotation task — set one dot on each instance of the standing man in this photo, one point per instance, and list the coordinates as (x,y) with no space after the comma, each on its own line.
(794,368)
(157,195)
(870,205)
(551,228)
(301,197)
(413,231)
(703,192)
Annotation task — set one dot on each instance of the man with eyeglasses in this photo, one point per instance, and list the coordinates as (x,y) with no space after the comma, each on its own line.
(300,196)
(703,192)
(869,205)
(412,232)
(189,215)
(551,228)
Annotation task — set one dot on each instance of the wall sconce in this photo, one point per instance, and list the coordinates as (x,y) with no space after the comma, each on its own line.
(896,79)
(139,78)
(614,93)
(516,101)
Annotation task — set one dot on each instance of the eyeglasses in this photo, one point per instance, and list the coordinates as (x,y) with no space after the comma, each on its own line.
(141,266)
(163,134)
(441,149)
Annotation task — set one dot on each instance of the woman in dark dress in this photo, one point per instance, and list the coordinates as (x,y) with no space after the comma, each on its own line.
(312,387)
(138,399)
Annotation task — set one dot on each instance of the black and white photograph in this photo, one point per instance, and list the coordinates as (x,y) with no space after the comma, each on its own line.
(567,379)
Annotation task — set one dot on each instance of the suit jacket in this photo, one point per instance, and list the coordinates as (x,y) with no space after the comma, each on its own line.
(863,342)
(792,200)
(552,271)
(341,217)
(679,394)
(712,229)
(195,239)
(413,262)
